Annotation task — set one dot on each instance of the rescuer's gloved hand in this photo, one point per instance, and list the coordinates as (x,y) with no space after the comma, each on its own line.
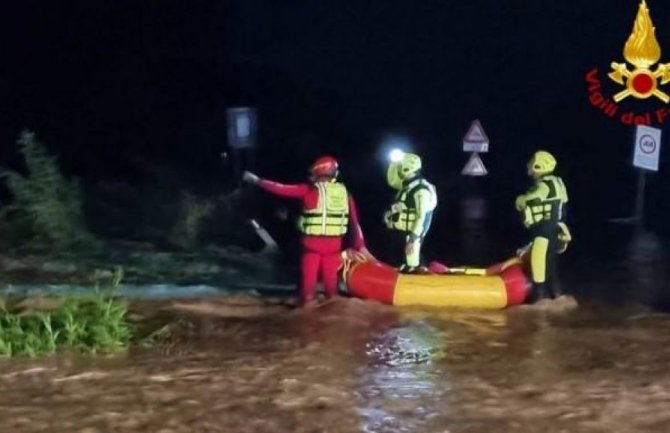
(564,237)
(251,178)
(388,219)
(520,203)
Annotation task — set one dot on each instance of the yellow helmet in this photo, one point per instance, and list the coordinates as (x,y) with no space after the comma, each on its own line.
(542,162)
(409,165)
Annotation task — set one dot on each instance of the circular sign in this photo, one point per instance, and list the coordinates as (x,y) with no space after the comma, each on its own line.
(647,144)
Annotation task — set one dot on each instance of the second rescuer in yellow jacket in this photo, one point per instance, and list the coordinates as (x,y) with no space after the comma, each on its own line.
(412,211)
(543,210)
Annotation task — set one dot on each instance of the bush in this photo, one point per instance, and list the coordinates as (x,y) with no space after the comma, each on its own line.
(93,323)
(49,204)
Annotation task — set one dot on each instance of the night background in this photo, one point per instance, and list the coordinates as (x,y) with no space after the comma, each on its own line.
(136,93)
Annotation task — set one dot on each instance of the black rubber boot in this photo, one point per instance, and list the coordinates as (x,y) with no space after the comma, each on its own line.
(407,269)
(555,291)
(538,292)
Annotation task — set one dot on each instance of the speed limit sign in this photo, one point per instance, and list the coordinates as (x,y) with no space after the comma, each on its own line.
(647,147)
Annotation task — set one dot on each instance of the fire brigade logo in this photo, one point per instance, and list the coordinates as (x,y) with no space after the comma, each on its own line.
(638,76)
(642,51)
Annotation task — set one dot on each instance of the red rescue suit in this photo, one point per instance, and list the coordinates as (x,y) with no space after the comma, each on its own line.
(321,254)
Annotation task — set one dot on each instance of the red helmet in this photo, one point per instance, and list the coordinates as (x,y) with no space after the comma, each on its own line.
(326,166)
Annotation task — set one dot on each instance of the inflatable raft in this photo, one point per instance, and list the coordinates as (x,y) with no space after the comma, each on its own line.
(497,287)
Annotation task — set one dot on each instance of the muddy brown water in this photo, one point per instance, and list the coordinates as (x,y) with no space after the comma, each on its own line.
(242,364)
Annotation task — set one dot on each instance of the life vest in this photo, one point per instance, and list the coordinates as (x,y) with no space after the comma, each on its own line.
(403,212)
(550,209)
(330,217)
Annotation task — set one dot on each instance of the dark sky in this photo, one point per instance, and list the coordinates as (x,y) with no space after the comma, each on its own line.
(108,84)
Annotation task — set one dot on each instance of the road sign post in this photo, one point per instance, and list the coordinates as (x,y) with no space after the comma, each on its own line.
(474,166)
(647,148)
(475,139)
(639,198)
(646,158)
(475,142)
(473,204)
(242,125)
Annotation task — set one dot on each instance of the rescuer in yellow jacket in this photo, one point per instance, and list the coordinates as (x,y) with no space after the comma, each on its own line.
(412,210)
(543,210)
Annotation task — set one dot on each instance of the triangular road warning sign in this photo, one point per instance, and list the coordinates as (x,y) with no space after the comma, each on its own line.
(474,167)
(476,133)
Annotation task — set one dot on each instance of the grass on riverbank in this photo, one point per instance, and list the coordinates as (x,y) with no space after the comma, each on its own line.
(91,323)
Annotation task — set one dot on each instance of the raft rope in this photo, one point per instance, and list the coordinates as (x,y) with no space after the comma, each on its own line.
(350,261)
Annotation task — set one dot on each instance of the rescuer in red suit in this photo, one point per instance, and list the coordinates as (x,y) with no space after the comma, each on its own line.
(328,214)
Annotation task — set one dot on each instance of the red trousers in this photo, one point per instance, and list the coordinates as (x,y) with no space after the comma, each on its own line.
(321,257)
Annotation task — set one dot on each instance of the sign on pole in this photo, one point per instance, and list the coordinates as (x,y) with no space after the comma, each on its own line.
(475,139)
(241,127)
(647,147)
(474,166)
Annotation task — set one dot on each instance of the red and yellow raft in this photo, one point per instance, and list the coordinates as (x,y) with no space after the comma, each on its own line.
(497,287)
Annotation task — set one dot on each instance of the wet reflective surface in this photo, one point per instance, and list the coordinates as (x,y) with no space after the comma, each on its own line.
(244,364)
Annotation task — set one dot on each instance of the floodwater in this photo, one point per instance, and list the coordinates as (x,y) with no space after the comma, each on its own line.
(245,364)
